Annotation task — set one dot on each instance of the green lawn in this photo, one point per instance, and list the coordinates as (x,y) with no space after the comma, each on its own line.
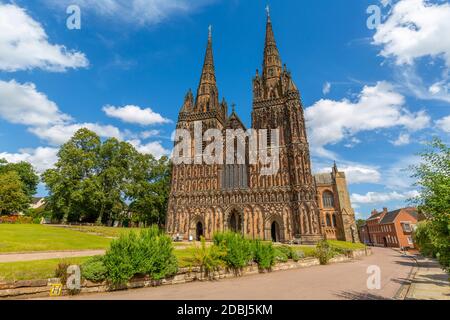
(33,270)
(346,245)
(34,237)
(185,257)
(109,232)
(309,251)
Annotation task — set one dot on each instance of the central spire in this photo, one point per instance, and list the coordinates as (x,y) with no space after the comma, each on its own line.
(272,62)
(207,95)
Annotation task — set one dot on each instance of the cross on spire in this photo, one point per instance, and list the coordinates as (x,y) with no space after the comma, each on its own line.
(268,10)
(210,32)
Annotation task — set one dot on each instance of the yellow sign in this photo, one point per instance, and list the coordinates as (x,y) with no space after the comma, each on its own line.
(56,290)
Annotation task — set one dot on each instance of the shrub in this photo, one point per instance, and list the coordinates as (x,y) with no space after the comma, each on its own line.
(324,252)
(149,252)
(94,269)
(122,258)
(237,250)
(290,253)
(158,259)
(61,271)
(280,255)
(422,238)
(297,255)
(208,258)
(263,254)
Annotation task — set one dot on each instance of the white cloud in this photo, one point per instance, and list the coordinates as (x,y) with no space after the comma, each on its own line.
(326,88)
(59,134)
(415,29)
(41,158)
(408,78)
(140,12)
(382,198)
(361,174)
(154,148)
(435,88)
(150,133)
(444,124)
(23,104)
(403,139)
(135,114)
(355,173)
(24,45)
(377,107)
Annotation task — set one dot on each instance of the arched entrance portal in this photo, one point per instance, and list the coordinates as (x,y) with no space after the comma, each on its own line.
(235,222)
(199,231)
(275,231)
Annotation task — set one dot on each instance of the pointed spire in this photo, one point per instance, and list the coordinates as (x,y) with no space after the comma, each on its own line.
(207,95)
(335,168)
(272,61)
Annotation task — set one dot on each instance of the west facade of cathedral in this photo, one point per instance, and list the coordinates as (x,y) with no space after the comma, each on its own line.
(289,205)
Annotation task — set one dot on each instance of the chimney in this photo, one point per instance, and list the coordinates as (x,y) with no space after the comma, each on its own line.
(385,210)
(374,212)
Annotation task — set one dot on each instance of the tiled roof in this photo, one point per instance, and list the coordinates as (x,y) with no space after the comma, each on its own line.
(390,216)
(374,216)
(323,178)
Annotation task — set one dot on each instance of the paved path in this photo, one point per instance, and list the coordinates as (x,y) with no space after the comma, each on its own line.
(17,257)
(430,281)
(338,281)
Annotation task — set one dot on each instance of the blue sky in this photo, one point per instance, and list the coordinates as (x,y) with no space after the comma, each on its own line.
(371,96)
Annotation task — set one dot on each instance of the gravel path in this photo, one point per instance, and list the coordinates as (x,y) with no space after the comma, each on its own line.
(17,257)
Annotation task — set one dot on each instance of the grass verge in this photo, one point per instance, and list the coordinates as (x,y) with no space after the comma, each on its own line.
(34,237)
(33,270)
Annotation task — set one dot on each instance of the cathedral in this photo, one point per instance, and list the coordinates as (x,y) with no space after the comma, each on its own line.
(292,205)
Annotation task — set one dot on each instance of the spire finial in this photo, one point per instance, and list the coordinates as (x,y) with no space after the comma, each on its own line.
(335,168)
(233,107)
(268,11)
(210,32)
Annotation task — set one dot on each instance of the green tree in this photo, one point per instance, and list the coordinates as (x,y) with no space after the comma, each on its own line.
(73,185)
(150,195)
(12,195)
(433,180)
(360,222)
(97,181)
(26,173)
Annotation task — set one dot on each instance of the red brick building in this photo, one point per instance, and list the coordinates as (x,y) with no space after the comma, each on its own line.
(390,229)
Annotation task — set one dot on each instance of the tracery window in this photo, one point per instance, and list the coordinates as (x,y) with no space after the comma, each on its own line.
(328,199)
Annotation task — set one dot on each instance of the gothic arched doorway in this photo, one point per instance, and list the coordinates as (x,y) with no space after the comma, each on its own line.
(199,231)
(235,222)
(275,231)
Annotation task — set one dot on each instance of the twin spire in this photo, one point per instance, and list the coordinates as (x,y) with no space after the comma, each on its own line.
(207,93)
